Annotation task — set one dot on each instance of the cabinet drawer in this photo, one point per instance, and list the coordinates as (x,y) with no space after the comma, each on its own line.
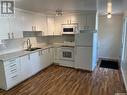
(10,62)
(12,81)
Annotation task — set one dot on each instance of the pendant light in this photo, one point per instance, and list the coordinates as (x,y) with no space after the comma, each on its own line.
(59,12)
(109,9)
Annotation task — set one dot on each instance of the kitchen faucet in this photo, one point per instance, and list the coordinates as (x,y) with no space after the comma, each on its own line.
(28,44)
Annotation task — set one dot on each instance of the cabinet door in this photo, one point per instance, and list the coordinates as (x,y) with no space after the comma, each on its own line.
(28,21)
(4,27)
(16,25)
(56,55)
(26,70)
(44,26)
(81,19)
(91,18)
(83,58)
(51,55)
(51,25)
(38,22)
(46,58)
(12,72)
(35,62)
(58,26)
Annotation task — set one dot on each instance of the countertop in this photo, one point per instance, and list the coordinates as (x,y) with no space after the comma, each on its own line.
(20,53)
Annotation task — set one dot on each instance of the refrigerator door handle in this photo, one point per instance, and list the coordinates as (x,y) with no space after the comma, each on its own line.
(75,50)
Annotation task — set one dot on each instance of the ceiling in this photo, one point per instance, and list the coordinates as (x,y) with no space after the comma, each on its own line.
(117,6)
(50,6)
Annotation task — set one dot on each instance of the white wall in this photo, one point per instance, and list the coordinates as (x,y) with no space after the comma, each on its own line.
(110,31)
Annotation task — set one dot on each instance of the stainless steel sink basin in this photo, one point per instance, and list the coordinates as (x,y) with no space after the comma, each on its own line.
(32,49)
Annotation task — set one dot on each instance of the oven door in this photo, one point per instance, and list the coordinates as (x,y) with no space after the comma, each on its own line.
(67,54)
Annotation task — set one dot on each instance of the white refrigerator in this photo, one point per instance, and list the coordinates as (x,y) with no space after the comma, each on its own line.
(86,50)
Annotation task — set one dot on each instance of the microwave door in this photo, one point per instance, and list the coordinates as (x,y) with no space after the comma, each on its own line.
(68,30)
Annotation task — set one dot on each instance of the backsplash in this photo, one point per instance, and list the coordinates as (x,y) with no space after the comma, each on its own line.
(11,45)
(61,39)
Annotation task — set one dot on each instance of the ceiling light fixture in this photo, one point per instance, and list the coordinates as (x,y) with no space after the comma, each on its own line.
(59,12)
(109,15)
(109,9)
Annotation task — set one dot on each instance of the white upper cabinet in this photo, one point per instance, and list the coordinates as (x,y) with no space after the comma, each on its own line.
(16,25)
(4,28)
(41,24)
(28,21)
(50,25)
(85,21)
(58,23)
(91,21)
(35,22)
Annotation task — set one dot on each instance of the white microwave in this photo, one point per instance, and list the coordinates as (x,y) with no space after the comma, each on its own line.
(69,28)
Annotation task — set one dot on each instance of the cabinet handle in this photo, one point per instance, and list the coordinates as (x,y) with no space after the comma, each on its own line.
(42,33)
(39,53)
(11,60)
(49,50)
(13,65)
(70,21)
(35,28)
(14,76)
(12,35)
(9,36)
(29,57)
(14,70)
(75,51)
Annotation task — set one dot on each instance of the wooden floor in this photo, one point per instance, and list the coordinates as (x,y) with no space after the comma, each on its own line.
(57,80)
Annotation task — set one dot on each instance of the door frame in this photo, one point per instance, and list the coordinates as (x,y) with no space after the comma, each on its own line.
(124,39)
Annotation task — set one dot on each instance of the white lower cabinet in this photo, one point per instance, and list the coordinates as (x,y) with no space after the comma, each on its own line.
(35,62)
(83,58)
(10,73)
(46,57)
(41,59)
(26,70)
(16,70)
(56,55)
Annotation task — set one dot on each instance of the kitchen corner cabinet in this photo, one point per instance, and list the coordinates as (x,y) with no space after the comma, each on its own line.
(41,59)
(10,73)
(46,57)
(35,22)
